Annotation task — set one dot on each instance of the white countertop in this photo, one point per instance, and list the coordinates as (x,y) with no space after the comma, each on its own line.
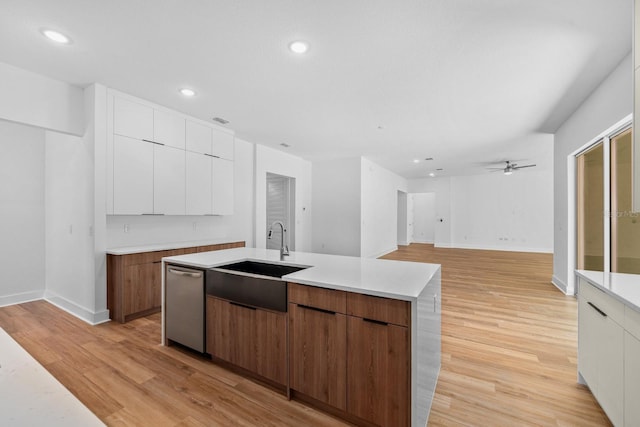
(127,250)
(623,287)
(392,279)
(31,396)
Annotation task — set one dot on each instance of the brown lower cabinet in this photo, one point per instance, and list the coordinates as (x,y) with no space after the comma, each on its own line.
(351,352)
(378,371)
(318,344)
(134,281)
(251,338)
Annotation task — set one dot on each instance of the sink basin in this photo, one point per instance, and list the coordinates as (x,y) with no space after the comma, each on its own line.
(262,287)
(262,268)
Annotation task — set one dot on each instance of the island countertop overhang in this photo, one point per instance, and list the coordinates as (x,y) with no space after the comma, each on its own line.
(402,280)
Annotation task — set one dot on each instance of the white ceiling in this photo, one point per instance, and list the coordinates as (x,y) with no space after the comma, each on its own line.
(463,81)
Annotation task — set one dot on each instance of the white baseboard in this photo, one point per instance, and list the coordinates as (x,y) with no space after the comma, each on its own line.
(442,245)
(501,248)
(82,313)
(559,284)
(21,298)
(383,253)
(430,241)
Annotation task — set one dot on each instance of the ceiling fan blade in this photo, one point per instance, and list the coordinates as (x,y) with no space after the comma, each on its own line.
(497,170)
(525,166)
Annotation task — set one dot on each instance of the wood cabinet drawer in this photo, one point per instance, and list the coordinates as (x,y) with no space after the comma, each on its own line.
(603,302)
(149,257)
(381,309)
(632,321)
(326,299)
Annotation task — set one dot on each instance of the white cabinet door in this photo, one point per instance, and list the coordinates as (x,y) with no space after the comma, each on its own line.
(132,119)
(198,137)
(199,184)
(611,370)
(588,324)
(631,381)
(222,186)
(168,129)
(168,180)
(223,144)
(132,176)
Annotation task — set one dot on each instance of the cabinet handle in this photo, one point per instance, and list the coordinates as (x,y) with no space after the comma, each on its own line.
(602,313)
(377,322)
(242,305)
(153,142)
(153,214)
(321,310)
(435,302)
(185,273)
(156,262)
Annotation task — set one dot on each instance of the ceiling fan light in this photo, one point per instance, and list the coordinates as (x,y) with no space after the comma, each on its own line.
(508,171)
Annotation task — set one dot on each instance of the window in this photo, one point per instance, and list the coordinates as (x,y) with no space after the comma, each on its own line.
(608,239)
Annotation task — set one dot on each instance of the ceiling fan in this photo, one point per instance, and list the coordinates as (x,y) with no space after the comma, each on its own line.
(510,167)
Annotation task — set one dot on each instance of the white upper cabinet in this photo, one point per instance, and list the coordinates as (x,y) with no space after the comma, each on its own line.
(161,162)
(222,187)
(168,180)
(132,119)
(223,144)
(132,176)
(168,129)
(199,137)
(199,184)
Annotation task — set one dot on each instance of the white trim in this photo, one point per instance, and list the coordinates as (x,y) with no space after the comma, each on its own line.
(383,253)
(422,241)
(559,284)
(76,310)
(13,299)
(501,248)
(606,171)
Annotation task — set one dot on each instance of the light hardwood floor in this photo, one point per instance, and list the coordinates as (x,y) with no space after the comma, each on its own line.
(509,357)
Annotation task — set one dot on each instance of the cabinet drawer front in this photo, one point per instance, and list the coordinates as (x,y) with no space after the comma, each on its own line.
(148,257)
(326,299)
(605,303)
(632,321)
(378,308)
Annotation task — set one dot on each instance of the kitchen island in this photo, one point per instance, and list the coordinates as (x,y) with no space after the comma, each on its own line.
(360,337)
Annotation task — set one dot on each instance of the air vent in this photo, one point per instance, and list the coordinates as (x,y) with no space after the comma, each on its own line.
(285,145)
(439,169)
(220,120)
(429,158)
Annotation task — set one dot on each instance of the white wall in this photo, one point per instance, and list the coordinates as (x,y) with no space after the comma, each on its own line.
(611,102)
(274,161)
(336,203)
(496,211)
(22,220)
(379,205)
(493,211)
(403,218)
(424,217)
(36,100)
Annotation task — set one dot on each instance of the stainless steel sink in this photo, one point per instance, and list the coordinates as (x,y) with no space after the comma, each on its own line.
(262,268)
(251,283)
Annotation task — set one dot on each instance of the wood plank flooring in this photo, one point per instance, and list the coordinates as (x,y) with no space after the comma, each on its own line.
(509,342)
(509,357)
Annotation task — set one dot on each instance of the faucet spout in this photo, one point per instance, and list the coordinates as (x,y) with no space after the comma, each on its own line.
(284,249)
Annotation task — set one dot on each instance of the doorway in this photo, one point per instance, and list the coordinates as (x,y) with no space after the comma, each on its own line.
(281,191)
(403,237)
(424,217)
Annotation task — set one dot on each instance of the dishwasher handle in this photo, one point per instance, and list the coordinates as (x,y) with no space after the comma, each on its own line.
(193,274)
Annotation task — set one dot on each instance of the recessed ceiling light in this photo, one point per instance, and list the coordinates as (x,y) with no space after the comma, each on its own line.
(416,160)
(187,92)
(299,47)
(56,36)
(431,174)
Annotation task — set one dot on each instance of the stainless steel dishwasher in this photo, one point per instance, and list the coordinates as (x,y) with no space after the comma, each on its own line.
(184,305)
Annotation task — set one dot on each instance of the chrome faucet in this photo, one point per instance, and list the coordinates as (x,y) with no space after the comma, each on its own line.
(284,249)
